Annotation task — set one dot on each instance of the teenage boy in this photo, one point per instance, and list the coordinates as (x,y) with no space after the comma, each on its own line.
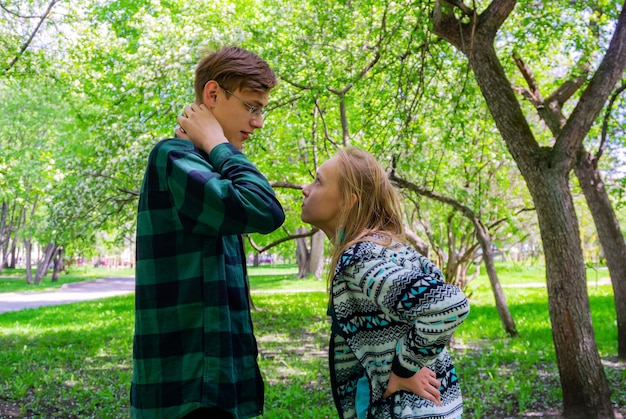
(194,353)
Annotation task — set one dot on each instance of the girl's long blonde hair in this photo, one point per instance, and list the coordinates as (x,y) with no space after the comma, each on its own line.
(377,207)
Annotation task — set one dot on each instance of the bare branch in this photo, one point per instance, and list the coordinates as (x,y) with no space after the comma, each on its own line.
(32,36)
(494,16)
(464,8)
(605,121)
(592,100)
(17,15)
(535,95)
(286,185)
(450,28)
(280,104)
(128,191)
(405,184)
(326,133)
(281,240)
(119,188)
(295,84)
(568,88)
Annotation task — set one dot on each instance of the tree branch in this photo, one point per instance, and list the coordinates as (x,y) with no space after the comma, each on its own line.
(592,100)
(569,87)
(494,16)
(446,25)
(326,133)
(605,121)
(533,93)
(4,7)
(467,11)
(31,37)
(405,184)
(286,185)
(281,240)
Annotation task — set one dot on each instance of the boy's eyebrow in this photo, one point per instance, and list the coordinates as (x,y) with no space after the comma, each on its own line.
(256,102)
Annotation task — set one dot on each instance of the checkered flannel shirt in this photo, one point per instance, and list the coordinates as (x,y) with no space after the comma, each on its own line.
(194,344)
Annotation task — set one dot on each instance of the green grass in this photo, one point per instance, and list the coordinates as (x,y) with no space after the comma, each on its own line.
(516,273)
(503,376)
(292,332)
(68,361)
(74,360)
(282,278)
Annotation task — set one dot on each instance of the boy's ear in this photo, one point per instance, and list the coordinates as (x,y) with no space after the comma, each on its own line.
(209,93)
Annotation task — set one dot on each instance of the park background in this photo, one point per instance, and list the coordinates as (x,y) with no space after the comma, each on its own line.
(501,122)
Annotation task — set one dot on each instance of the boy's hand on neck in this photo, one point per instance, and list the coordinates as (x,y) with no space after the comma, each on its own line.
(201,127)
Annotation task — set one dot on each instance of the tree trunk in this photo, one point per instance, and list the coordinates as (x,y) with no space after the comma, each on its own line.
(592,185)
(27,257)
(316,256)
(4,239)
(13,254)
(44,262)
(610,236)
(484,238)
(18,220)
(585,387)
(546,172)
(303,254)
(256,260)
(57,258)
(417,242)
(310,258)
(586,392)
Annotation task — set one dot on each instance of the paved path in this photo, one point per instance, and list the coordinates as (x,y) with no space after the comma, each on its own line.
(68,293)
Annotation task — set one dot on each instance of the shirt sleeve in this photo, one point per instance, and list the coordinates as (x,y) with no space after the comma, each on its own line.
(417,298)
(222,193)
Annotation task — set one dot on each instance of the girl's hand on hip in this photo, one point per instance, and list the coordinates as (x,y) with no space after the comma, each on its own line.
(424,383)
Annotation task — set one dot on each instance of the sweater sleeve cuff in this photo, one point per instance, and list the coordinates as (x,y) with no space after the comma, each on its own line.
(221,152)
(399,370)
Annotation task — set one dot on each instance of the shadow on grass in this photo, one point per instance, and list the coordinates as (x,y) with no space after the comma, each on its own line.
(503,377)
(292,333)
(72,361)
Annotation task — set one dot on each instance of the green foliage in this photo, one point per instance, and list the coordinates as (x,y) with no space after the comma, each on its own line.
(103,82)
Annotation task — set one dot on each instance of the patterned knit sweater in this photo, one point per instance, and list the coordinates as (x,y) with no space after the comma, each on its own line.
(391,311)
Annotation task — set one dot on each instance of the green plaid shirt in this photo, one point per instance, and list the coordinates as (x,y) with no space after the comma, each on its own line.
(194,344)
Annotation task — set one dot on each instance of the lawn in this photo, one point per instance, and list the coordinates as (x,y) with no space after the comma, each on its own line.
(74,361)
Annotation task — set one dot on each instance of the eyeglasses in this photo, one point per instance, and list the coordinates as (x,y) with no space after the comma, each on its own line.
(253,111)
